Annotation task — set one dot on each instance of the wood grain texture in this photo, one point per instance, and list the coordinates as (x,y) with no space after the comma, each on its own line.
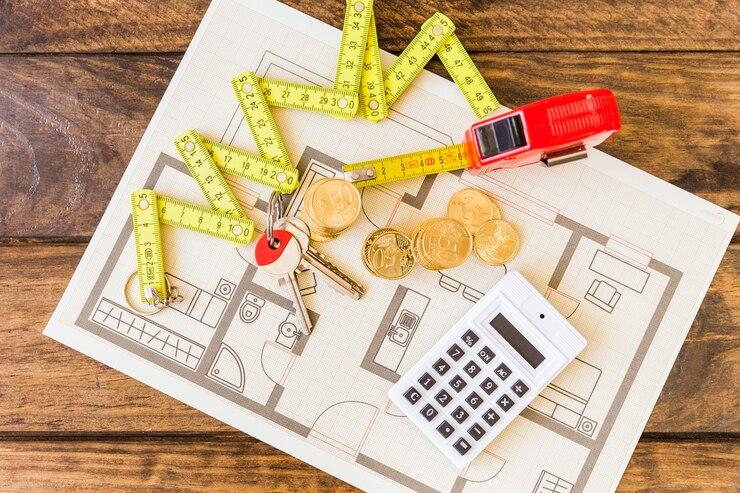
(48,388)
(68,127)
(244,464)
(30,26)
(69,124)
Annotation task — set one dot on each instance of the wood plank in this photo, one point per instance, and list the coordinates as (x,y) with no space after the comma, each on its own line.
(28,26)
(69,125)
(48,388)
(244,464)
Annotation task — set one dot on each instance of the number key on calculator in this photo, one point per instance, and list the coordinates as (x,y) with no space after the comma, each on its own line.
(487,368)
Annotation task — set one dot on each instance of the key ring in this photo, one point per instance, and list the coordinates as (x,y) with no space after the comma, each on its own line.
(274,212)
(146,309)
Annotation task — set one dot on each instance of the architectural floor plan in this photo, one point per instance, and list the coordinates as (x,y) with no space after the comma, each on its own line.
(625,257)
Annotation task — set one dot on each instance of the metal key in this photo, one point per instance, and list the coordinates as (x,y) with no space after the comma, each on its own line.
(317,261)
(281,259)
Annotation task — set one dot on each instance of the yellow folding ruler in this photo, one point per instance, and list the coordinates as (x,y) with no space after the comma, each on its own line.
(207,175)
(233,161)
(467,76)
(437,36)
(149,253)
(149,210)
(372,90)
(416,55)
(406,166)
(357,17)
(204,220)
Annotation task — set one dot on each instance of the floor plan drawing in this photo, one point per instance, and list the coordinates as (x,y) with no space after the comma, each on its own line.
(599,240)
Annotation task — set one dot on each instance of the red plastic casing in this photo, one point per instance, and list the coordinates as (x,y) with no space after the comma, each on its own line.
(551,125)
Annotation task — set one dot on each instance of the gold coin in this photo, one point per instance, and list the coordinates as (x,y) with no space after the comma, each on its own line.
(387,253)
(472,207)
(333,204)
(497,242)
(442,243)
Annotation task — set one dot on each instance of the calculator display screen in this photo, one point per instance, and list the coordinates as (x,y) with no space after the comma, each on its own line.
(516,340)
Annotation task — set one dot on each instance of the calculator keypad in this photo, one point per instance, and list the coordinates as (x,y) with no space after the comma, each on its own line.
(464,391)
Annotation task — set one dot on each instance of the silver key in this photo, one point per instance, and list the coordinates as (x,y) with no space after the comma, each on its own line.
(317,261)
(284,269)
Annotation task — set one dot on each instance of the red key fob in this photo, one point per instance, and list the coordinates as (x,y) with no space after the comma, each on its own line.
(266,254)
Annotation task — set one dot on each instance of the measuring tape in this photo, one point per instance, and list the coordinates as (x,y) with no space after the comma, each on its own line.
(204,220)
(357,17)
(467,76)
(406,166)
(207,175)
(278,176)
(149,253)
(417,54)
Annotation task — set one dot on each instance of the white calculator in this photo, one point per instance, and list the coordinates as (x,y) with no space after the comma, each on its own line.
(487,368)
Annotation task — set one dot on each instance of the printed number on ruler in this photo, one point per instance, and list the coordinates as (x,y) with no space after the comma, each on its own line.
(417,54)
(338,103)
(149,253)
(204,220)
(467,76)
(207,175)
(278,176)
(372,90)
(259,118)
(357,17)
(406,166)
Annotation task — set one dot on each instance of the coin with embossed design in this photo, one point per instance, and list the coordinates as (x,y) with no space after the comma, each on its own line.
(496,242)
(387,254)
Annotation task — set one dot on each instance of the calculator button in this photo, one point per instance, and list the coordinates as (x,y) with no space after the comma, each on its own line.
(488,386)
(476,431)
(472,369)
(412,395)
(443,398)
(455,352)
(470,338)
(429,412)
(502,371)
(519,388)
(462,446)
(427,381)
(457,383)
(505,402)
(491,417)
(486,354)
(474,400)
(445,429)
(441,366)
(460,414)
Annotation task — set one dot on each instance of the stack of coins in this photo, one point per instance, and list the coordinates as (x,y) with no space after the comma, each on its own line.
(329,207)
(387,253)
(442,243)
(495,241)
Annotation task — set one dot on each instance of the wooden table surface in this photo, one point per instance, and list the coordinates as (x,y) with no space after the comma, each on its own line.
(79,81)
